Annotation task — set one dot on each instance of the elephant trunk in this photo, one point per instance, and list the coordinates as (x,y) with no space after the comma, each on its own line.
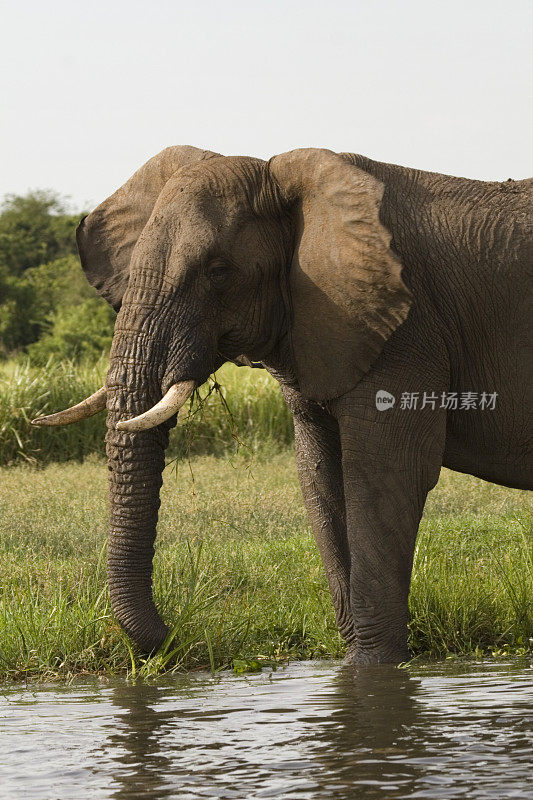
(136,462)
(150,357)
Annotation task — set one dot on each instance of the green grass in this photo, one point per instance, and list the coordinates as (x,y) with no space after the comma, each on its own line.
(237,573)
(27,391)
(258,414)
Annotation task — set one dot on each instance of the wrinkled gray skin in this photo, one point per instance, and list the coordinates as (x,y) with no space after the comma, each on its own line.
(296,263)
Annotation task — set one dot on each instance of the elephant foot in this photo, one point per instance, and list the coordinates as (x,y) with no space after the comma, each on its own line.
(360,657)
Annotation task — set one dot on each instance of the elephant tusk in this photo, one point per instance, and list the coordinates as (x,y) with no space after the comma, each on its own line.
(169,405)
(87,408)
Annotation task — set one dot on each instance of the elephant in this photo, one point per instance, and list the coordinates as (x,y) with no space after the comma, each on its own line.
(392,305)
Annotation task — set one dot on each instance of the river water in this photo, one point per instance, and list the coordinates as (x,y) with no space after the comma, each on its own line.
(309,731)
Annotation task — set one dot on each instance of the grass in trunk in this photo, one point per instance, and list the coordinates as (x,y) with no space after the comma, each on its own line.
(237,573)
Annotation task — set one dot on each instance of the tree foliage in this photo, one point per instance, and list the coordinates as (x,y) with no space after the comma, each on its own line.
(77,332)
(35,229)
(46,305)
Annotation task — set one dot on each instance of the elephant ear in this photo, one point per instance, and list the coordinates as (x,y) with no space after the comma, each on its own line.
(107,236)
(346,290)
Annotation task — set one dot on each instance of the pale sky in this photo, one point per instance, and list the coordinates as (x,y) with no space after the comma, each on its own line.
(91,90)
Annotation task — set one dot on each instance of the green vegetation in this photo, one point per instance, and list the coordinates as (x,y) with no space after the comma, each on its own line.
(27,392)
(47,308)
(237,572)
(258,415)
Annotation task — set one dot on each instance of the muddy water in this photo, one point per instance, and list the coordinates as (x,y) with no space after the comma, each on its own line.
(313,730)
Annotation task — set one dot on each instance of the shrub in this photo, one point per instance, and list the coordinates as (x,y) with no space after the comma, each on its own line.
(76,333)
(40,273)
(35,228)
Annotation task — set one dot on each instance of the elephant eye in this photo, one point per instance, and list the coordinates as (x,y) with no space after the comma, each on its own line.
(219,272)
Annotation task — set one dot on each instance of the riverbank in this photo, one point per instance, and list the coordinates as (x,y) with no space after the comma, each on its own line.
(237,571)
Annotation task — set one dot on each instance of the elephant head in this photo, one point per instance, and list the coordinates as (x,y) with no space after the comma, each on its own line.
(207,258)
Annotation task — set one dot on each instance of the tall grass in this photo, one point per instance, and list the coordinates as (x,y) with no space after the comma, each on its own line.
(256,415)
(237,573)
(27,391)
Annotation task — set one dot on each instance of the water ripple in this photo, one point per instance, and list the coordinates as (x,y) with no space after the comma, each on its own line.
(307,732)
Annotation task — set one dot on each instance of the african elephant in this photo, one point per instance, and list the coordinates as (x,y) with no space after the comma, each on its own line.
(392,305)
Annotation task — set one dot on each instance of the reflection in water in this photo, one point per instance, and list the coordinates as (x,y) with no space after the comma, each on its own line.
(198,735)
(137,738)
(311,731)
(365,743)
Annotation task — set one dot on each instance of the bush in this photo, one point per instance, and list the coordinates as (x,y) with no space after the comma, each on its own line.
(16,299)
(55,285)
(35,228)
(82,332)
(40,273)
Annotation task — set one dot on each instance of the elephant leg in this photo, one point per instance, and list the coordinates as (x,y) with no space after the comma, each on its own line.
(319,462)
(391,459)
